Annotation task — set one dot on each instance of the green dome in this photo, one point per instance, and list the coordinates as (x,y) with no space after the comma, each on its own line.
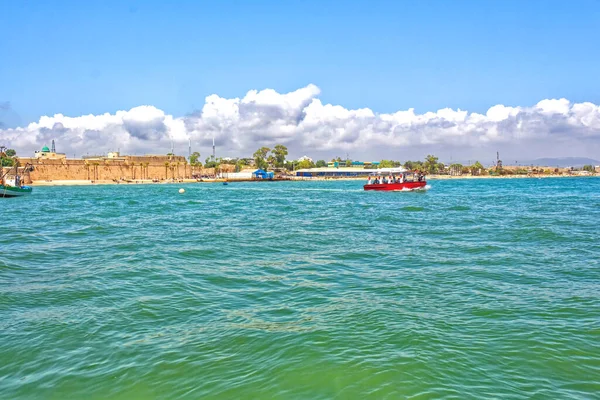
(46,149)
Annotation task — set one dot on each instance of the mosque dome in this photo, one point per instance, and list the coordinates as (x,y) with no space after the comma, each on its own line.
(45,149)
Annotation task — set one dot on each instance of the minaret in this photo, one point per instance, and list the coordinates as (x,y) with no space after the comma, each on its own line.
(214,158)
(189,149)
(53,146)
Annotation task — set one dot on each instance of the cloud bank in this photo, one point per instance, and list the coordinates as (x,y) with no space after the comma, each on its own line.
(301,121)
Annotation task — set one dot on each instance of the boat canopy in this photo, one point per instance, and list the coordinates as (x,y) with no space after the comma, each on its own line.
(382,171)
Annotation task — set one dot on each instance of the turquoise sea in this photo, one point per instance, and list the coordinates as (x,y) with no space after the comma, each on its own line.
(302,290)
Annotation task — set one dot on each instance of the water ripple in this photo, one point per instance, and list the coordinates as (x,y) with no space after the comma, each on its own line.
(474,289)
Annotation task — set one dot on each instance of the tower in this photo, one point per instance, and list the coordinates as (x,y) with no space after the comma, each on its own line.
(53,146)
(189,149)
(213,155)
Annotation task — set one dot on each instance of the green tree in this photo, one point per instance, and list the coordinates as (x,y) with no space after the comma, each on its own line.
(455,169)
(195,159)
(240,165)
(386,164)
(279,152)
(305,164)
(321,163)
(260,157)
(348,163)
(476,168)
(413,165)
(7,161)
(589,168)
(431,164)
(210,163)
(7,158)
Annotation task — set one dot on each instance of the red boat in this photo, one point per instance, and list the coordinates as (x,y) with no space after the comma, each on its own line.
(395,179)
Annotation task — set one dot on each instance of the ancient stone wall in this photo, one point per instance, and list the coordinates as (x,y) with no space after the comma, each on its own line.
(123,168)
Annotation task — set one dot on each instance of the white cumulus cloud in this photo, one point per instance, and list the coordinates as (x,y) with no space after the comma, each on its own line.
(301,121)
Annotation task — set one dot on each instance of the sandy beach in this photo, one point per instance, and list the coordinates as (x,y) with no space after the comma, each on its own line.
(75,182)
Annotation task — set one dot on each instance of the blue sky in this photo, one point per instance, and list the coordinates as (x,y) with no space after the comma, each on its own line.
(76,57)
(79,58)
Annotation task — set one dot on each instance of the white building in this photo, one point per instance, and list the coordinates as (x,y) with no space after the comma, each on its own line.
(305,158)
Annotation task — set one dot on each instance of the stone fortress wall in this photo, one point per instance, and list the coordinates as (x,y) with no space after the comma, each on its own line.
(118,168)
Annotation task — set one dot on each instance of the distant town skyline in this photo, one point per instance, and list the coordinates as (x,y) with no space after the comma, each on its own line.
(379,79)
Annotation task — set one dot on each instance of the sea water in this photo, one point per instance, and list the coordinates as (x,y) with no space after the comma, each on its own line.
(281,290)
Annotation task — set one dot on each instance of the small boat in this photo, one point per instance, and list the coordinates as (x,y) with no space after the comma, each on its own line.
(14,191)
(395,179)
(225,183)
(12,185)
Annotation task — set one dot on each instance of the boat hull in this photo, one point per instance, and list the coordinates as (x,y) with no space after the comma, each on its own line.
(13,191)
(388,187)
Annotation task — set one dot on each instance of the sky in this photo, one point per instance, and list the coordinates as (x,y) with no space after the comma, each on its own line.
(367,79)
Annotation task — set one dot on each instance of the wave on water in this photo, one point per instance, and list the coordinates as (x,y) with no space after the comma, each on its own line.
(413,208)
(483,288)
(459,208)
(416,190)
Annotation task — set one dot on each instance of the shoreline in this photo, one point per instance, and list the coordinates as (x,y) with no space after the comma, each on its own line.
(292,179)
(444,177)
(76,182)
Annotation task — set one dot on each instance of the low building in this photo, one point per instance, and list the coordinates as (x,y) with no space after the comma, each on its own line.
(46,154)
(262,174)
(356,164)
(237,176)
(334,172)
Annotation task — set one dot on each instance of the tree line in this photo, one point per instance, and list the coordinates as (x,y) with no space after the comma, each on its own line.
(265,158)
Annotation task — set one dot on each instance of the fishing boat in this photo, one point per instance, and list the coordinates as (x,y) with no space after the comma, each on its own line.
(395,179)
(12,183)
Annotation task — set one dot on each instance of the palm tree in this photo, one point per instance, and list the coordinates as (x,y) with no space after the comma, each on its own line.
(476,168)
(166,168)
